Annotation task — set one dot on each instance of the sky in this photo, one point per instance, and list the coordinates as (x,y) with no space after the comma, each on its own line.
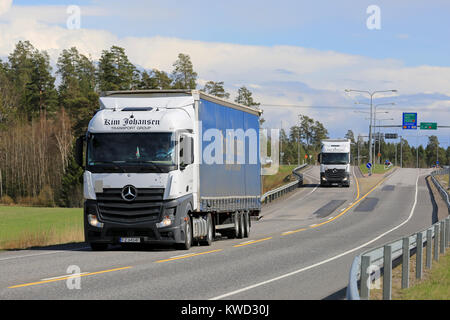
(295,53)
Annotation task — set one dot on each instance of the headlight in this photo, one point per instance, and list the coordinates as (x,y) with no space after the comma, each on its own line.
(323,178)
(93,221)
(169,217)
(164,223)
(345,179)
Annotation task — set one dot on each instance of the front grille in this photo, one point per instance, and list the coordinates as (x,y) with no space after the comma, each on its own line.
(146,207)
(335,174)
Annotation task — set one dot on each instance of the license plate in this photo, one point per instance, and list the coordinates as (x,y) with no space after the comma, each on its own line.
(130,240)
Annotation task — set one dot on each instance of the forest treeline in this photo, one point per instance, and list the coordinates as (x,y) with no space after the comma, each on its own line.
(43,109)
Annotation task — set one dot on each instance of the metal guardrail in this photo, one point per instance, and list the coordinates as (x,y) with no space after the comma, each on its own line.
(441,189)
(366,267)
(271,195)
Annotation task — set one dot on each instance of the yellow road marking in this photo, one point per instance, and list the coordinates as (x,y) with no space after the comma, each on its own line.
(187,256)
(251,242)
(294,231)
(68,277)
(357,184)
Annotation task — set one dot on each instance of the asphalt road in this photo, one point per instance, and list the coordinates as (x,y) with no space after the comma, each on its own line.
(302,248)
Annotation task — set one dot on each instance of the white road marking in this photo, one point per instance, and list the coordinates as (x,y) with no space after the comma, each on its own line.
(246,242)
(324,261)
(41,254)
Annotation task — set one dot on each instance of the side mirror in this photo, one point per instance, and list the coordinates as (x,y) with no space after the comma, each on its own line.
(319,158)
(186,151)
(79,151)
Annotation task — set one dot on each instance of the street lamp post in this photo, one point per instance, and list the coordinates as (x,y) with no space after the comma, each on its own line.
(375,123)
(371,94)
(298,147)
(401,152)
(379,135)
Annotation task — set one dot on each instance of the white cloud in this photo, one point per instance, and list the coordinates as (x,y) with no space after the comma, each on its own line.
(5,5)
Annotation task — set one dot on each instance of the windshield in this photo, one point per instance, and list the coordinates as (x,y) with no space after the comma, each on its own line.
(119,149)
(335,158)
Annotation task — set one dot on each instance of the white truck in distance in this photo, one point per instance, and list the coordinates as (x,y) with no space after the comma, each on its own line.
(334,160)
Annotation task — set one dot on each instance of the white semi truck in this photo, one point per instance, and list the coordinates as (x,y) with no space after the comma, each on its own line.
(169,167)
(334,160)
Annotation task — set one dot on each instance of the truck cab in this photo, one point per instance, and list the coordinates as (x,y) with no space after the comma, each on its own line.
(334,160)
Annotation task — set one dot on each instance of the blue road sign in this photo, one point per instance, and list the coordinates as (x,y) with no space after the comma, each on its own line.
(369,165)
(409,120)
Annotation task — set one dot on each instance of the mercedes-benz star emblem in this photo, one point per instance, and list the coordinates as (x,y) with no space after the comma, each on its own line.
(129,193)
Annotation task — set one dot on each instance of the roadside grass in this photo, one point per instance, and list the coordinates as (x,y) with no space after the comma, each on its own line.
(435,282)
(376,168)
(283,176)
(443,180)
(24,227)
(434,285)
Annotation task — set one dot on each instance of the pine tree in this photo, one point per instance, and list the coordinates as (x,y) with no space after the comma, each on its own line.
(216,89)
(115,71)
(77,89)
(183,75)
(31,73)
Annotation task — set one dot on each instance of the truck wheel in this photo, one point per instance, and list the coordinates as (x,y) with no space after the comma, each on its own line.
(187,235)
(246,224)
(241,225)
(98,246)
(234,232)
(209,233)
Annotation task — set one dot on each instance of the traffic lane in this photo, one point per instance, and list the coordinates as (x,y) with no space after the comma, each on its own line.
(307,208)
(298,194)
(327,278)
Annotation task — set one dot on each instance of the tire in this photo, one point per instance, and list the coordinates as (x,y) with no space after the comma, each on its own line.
(240,217)
(187,235)
(98,246)
(246,224)
(234,232)
(210,232)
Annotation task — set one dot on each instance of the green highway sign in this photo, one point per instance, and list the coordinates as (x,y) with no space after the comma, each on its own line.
(428,126)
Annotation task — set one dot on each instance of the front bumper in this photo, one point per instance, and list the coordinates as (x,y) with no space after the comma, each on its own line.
(147,232)
(324,178)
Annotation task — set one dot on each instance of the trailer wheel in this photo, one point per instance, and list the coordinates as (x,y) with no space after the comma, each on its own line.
(241,223)
(209,231)
(246,224)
